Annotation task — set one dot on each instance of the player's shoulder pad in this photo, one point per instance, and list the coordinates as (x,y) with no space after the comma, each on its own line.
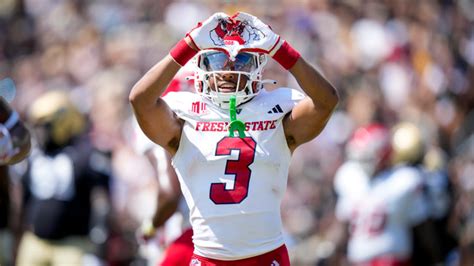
(283,99)
(349,178)
(180,101)
(407,178)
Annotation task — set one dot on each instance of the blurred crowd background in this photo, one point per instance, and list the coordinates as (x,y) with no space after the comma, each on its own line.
(391,61)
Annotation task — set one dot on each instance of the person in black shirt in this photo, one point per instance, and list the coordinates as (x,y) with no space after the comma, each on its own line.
(62,175)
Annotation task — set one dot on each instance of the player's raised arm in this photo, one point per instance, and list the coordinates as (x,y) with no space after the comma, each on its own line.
(309,116)
(154,116)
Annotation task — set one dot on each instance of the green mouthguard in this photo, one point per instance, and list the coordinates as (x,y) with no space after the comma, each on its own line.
(235,124)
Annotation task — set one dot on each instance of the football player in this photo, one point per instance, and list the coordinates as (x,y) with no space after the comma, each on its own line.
(379,204)
(62,176)
(233,183)
(171,213)
(432,239)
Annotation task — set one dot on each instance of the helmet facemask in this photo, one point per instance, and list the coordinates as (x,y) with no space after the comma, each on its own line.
(211,65)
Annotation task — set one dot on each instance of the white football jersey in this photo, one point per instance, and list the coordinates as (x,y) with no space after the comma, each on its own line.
(380,212)
(350,184)
(234,186)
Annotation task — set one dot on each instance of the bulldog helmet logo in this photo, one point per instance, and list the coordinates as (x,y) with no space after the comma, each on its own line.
(245,31)
(218,33)
(248,32)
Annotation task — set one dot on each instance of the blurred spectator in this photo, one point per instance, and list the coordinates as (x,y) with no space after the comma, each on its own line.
(462,221)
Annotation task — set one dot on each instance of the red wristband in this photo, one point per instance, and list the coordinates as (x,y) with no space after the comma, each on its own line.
(182,52)
(286,56)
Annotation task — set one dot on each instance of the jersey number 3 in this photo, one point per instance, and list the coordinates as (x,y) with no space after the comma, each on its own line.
(239,168)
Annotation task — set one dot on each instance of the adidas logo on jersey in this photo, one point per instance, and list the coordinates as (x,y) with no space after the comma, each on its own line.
(275,110)
(275,263)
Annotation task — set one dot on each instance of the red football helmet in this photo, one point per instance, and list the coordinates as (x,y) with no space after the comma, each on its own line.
(181,81)
(370,145)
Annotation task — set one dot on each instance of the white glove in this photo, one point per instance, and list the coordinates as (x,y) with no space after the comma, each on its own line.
(210,33)
(241,32)
(145,232)
(257,36)
(206,35)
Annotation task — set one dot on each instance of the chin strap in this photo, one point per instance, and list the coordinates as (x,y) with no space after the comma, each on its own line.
(235,124)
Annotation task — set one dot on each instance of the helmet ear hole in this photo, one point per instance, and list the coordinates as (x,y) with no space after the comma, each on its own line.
(254,86)
(200,86)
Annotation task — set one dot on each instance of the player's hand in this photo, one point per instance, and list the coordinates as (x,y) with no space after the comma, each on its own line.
(146,232)
(210,33)
(259,37)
